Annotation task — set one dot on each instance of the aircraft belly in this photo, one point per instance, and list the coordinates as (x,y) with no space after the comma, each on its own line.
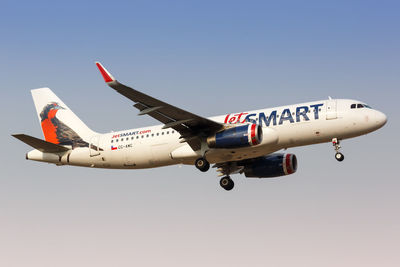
(147,156)
(224,155)
(161,154)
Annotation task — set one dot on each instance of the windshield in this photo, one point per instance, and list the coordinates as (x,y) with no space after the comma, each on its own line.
(359,105)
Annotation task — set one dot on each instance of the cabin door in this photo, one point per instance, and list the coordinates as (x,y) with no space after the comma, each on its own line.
(94,146)
(331,111)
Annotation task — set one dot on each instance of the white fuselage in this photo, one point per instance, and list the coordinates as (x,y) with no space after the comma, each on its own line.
(283,127)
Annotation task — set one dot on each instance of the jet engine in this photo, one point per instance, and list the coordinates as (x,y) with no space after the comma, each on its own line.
(270,166)
(238,136)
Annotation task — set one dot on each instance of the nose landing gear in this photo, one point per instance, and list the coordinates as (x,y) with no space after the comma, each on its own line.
(339,156)
(336,143)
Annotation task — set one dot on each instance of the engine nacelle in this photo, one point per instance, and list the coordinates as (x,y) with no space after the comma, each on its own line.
(270,166)
(238,136)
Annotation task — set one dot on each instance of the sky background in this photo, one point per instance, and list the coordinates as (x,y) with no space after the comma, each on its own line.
(209,57)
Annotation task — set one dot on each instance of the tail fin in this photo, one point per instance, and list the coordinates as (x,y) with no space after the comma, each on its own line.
(59,124)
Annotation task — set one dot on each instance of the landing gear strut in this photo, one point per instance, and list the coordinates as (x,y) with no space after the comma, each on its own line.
(202,164)
(227,183)
(336,143)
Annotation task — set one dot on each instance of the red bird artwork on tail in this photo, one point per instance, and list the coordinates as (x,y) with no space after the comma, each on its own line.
(57,132)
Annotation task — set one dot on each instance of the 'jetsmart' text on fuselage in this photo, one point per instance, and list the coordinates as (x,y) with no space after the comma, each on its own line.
(286,115)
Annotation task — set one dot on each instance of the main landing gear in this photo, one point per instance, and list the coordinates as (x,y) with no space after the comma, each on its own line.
(336,143)
(202,164)
(227,183)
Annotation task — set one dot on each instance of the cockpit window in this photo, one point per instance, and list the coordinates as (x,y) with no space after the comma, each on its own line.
(359,106)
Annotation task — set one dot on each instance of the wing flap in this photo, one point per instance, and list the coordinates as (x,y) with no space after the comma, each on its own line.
(40,144)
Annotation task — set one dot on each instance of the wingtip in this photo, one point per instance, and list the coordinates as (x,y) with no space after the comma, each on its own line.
(18,136)
(106,75)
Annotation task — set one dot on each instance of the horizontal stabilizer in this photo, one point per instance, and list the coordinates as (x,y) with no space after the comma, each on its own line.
(40,144)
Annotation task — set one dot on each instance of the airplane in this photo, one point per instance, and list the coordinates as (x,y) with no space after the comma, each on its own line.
(245,142)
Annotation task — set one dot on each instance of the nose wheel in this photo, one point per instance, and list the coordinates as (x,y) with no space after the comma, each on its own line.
(339,156)
(336,143)
(227,183)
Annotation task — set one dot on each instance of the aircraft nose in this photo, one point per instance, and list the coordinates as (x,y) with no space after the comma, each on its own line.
(380,119)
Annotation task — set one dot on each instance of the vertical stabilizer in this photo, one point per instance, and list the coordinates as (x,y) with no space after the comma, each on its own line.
(59,124)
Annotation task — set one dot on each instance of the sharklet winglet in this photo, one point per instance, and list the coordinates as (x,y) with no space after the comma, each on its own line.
(106,75)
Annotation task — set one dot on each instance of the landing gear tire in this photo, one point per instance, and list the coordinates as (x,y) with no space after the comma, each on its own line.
(202,164)
(227,183)
(336,143)
(339,156)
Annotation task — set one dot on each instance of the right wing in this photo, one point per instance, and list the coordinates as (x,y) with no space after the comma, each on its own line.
(189,125)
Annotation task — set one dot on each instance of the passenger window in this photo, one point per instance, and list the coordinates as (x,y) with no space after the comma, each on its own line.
(353,106)
(112,141)
(360,106)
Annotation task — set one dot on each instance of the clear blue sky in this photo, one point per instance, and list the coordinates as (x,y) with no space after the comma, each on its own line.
(210,57)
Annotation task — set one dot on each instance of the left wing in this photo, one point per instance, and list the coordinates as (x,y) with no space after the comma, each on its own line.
(189,125)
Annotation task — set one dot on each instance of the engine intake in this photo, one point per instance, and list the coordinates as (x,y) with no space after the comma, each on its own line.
(238,136)
(270,166)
